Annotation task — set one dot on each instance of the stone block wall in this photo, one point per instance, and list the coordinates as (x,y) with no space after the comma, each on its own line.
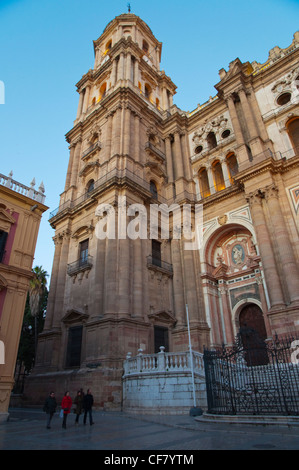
(163,393)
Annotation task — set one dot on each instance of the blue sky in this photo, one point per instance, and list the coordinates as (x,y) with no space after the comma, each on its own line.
(46,46)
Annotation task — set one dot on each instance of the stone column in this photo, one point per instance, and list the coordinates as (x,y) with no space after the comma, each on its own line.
(114,73)
(256,145)
(211,179)
(185,152)
(248,113)
(136,72)
(137,138)
(76,162)
(287,256)
(242,152)
(124,276)
(259,119)
(190,284)
(110,287)
(54,280)
(138,278)
(165,103)
(80,105)
(235,121)
(97,279)
(61,280)
(120,74)
(127,131)
(124,256)
(178,156)
(86,99)
(169,162)
(178,288)
(128,66)
(259,281)
(225,173)
(229,332)
(108,139)
(70,166)
(265,248)
(116,127)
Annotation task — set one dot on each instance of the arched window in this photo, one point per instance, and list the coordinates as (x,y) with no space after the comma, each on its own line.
(147,91)
(232,164)
(204,183)
(293,131)
(153,189)
(90,186)
(145,46)
(108,47)
(218,176)
(103,91)
(211,140)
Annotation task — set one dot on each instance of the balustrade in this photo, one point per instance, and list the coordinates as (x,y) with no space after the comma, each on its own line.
(20,188)
(166,362)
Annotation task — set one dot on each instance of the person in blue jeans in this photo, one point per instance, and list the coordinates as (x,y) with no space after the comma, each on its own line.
(87,405)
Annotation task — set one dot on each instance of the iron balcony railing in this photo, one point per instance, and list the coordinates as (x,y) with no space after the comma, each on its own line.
(113,175)
(156,262)
(90,149)
(79,265)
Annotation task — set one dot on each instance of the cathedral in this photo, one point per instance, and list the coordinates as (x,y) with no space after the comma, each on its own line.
(131,149)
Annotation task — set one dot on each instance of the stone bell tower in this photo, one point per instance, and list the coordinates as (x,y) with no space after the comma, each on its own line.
(113,294)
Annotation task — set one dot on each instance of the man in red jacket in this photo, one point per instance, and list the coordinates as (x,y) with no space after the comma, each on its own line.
(66,406)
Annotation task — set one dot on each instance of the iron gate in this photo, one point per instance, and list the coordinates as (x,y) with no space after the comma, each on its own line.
(256,378)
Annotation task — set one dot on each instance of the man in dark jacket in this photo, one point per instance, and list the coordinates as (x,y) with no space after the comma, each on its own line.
(50,408)
(87,405)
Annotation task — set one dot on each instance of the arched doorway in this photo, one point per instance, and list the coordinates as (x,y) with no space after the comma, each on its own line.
(253,335)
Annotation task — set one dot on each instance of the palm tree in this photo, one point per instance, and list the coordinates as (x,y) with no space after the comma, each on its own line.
(37,288)
(32,322)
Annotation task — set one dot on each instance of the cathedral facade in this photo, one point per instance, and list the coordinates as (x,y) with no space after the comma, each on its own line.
(133,151)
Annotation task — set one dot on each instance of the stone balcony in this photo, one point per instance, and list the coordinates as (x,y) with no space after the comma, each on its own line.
(162,383)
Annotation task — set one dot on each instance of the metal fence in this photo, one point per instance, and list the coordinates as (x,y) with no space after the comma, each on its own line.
(253,378)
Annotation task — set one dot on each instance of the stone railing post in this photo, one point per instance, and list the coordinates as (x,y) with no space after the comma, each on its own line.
(139,361)
(127,363)
(161,359)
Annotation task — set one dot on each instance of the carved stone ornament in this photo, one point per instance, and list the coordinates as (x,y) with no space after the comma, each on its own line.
(222,219)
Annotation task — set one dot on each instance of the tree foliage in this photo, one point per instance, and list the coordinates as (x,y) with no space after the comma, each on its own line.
(34,317)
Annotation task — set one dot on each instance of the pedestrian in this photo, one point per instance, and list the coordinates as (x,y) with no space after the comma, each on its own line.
(50,408)
(87,405)
(79,405)
(66,406)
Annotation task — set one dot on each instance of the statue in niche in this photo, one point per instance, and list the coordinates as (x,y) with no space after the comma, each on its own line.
(238,254)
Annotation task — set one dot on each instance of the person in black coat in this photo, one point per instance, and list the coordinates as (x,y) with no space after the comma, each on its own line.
(50,408)
(87,405)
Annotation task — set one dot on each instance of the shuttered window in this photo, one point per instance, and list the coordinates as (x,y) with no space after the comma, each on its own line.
(3,238)
(74,347)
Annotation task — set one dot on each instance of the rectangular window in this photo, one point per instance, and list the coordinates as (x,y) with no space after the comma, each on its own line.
(3,238)
(73,357)
(161,338)
(83,253)
(156,253)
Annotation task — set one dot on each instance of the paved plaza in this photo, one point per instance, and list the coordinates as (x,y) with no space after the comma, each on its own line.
(169,435)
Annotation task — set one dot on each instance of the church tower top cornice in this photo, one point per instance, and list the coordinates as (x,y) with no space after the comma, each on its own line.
(125,26)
